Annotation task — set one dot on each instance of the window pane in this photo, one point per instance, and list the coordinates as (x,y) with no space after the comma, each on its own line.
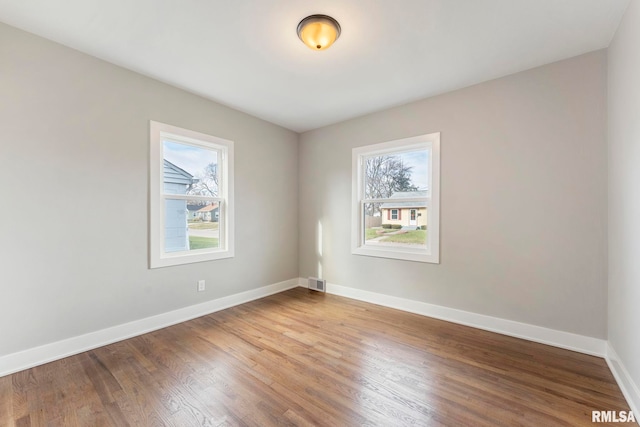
(191,225)
(394,175)
(190,170)
(395,191)
(191,200)
(398,227)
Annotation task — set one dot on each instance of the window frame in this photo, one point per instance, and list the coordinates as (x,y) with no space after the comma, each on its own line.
(158,132)
(358,244)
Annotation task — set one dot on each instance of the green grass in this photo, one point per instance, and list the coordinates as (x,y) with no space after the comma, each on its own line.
(203,225)
(417,236)
(370,233)
(202,242)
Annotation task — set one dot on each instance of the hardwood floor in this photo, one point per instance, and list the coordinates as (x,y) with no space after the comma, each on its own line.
(304,358)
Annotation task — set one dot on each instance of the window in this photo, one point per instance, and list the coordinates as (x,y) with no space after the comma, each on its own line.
(191,196)
(396,199)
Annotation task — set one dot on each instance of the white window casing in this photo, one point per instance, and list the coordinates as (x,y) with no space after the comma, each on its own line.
(429,253)
(160,193)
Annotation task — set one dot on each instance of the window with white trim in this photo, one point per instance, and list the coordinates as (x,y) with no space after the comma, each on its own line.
(191,196)
(396,199)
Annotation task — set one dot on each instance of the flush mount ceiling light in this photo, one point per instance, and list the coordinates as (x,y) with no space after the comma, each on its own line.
(318,31)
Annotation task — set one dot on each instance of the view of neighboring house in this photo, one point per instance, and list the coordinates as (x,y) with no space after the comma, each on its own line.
(405,213)
(202,212)
(192,211)
(208,213)
(176,181)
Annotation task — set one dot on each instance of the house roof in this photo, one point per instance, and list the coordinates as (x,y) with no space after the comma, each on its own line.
(176,175)
(194,208)
(209,208)
(405,195)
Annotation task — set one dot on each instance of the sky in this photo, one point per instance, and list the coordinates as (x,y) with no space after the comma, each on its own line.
(192,159)
(419,173)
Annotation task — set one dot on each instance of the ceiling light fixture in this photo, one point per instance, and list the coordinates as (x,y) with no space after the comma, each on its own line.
(318,31)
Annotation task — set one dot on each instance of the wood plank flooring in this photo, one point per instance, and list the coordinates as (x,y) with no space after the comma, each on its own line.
(302,358)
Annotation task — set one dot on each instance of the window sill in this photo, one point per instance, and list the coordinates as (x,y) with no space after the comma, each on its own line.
(405,254)
(179,259)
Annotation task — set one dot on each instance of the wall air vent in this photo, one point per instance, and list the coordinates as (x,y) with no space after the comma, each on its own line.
(317,284)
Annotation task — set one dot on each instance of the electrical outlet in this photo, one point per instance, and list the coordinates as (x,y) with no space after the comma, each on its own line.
(201,285)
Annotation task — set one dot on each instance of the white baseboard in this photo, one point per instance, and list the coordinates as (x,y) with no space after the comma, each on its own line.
(566,340)
(49,352)
(629,388)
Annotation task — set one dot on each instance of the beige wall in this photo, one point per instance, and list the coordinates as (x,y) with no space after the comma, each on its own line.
(523,185)
(75,137)
(624,194)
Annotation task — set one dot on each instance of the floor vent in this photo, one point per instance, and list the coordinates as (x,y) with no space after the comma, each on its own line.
(317,284)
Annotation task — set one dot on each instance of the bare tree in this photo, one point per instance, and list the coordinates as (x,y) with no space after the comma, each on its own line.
(384,176)
(207,184)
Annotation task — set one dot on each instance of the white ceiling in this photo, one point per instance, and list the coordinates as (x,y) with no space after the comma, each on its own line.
(245,53)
